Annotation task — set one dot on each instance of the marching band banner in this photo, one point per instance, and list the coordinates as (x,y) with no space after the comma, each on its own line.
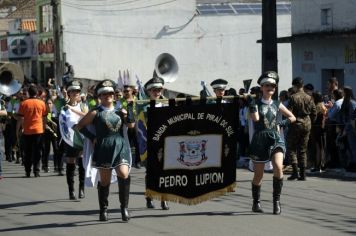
(191,152)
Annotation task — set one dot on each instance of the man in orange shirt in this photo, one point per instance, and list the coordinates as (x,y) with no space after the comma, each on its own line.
(32,114)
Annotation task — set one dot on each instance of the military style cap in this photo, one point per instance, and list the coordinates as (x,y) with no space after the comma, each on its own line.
(105,86)
(155,82)
(268,77)
(74,85)
(219,84)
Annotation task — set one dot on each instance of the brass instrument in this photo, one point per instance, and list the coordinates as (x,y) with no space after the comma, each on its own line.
(51,126)
(11,77)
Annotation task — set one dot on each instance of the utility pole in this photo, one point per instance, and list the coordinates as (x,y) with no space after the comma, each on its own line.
(58,71)
(269,38)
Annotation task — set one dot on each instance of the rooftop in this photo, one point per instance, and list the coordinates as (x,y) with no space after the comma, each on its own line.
(26,9)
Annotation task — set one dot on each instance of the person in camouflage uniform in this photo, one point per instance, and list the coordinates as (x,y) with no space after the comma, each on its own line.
(303,107)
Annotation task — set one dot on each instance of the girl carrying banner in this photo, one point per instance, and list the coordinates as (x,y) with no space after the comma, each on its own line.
(154,89)
(266,136)
(110,149)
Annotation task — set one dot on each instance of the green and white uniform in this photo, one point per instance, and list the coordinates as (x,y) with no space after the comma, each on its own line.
(266,138)
(110,149)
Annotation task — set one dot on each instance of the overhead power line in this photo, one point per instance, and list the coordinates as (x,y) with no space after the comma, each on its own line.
(118,10)
(100,3)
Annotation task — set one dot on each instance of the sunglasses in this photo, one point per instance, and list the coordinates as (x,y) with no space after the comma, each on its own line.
(270,85)
(107,94)
(157,90)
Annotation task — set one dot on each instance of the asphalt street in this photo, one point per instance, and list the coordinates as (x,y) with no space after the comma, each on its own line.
(40,206)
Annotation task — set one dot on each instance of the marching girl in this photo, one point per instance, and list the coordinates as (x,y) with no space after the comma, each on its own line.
(266,141)
(154,88)
(74,110)
(110,149)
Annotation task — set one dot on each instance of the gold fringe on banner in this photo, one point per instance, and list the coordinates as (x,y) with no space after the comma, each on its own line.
(189,201)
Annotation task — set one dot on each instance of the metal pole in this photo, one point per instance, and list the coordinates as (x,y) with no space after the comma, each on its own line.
(269,38)
(57,50)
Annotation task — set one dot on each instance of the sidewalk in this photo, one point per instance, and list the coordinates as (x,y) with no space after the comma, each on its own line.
(336,173)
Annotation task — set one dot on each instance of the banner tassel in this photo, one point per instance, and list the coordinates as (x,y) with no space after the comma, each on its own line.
(189,201)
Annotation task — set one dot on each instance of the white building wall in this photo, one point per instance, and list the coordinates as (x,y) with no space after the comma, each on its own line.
(307,15)
(319,52)
(310,57)
(100,40)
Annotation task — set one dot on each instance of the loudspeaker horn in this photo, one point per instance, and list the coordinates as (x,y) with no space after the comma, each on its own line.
(166,67)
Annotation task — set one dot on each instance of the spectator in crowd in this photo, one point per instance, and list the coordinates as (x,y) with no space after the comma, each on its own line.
(68,73)
(69,70)
(318,138)
(51,83)
(309,89)
(242,91)
(91,98)
(332,86)
(333,119)
(284,97)
(348,132)
(230,92)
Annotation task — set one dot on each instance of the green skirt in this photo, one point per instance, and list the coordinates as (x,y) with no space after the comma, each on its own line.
(264,143)
(110,152)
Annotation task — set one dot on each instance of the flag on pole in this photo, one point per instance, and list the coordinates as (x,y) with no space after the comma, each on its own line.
(204,92)
(141,124)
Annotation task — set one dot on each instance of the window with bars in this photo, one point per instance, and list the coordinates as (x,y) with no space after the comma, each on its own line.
(46,18)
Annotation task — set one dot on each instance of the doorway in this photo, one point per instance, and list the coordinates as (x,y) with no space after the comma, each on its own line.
(326,74)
